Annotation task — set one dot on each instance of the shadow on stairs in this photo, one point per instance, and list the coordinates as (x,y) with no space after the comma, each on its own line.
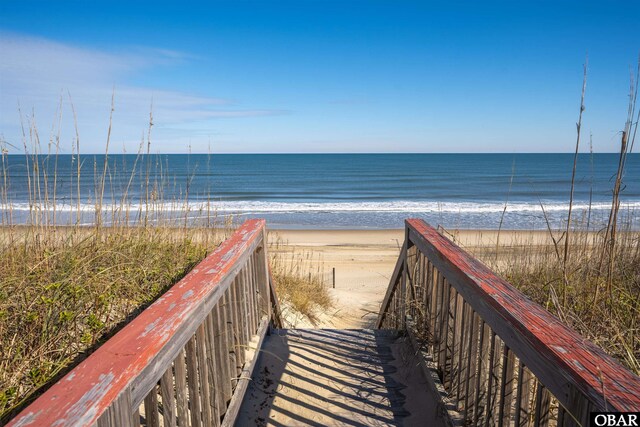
(332,377)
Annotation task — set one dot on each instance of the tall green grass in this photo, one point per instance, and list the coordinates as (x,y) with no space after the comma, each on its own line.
(66,287)
(589,278)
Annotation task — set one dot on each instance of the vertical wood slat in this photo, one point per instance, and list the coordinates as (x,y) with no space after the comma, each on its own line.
(542,413)
(433,307)
(443,328)
(460,354)
(247,309)
(204,383)
(255,307)
(264,303)
(463,361)
(193,384)
(222,352)
(135,417)
(496,370)
(182,403)
(424,285)
(244,319)
(151,413)
(402,297)
(228,335)
(437,315)
(249,314)
(490,379)
(119,413)
(241,322)
(483,346)
(470,386)
(523,397)
(580,408)
(233,315)
(213,369)
(219,364)
(506,386)
(452,341)
(168,400)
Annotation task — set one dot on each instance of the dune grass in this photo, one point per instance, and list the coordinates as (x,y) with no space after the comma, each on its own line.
(604,309)
(299,280)
(589,277)
(62,297)
(66,287)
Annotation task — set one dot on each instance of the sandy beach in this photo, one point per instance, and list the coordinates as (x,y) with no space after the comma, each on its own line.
(364,261)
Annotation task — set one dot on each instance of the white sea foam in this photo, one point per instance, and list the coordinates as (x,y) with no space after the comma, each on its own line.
(339,207)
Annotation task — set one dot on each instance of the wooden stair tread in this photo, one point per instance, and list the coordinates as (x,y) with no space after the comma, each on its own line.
(334,377)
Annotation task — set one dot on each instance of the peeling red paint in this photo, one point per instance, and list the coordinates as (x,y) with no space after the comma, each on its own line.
(87,391)
(590,369)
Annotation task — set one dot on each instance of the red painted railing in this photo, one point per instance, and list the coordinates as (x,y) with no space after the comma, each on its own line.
(500,357)
(184,360)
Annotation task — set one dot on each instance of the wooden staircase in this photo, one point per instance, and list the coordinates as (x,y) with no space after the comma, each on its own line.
(455,345)
(343,377)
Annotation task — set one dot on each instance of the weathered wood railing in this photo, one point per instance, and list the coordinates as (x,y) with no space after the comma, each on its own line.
(501,358)
(185,360)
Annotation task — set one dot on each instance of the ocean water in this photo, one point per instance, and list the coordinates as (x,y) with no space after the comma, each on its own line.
(330,191)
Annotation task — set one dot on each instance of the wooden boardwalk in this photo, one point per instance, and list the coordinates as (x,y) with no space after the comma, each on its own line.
(346,377)
(454,345)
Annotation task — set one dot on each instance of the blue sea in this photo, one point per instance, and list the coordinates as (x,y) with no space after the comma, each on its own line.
(349,191)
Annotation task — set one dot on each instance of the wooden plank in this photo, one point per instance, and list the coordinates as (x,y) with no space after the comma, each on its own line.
(555,353)
(452,341)
(182,403)
(463,353)
(433,308)
(480,406)
(424,284)
(443,329)
(205,381)
(270,304)
(506,387)
(470,378)
(151,414)
(491,380)
(247,371)
(135,417)
(256,315)
(229,334)
(458,351)
(223,386)
(168,400)
(496,370)
(119,414)
(248,298)
(402,297)
(213,372)
(523,396)
(232,303)
(542,406)
(193,384)
(398,271)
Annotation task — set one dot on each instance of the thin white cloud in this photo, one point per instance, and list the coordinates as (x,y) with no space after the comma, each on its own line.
(35,73)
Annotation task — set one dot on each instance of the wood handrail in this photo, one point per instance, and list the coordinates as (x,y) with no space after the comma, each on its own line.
(126,367)
(565,363)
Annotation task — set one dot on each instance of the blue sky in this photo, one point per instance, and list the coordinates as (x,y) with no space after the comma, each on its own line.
(319,76)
